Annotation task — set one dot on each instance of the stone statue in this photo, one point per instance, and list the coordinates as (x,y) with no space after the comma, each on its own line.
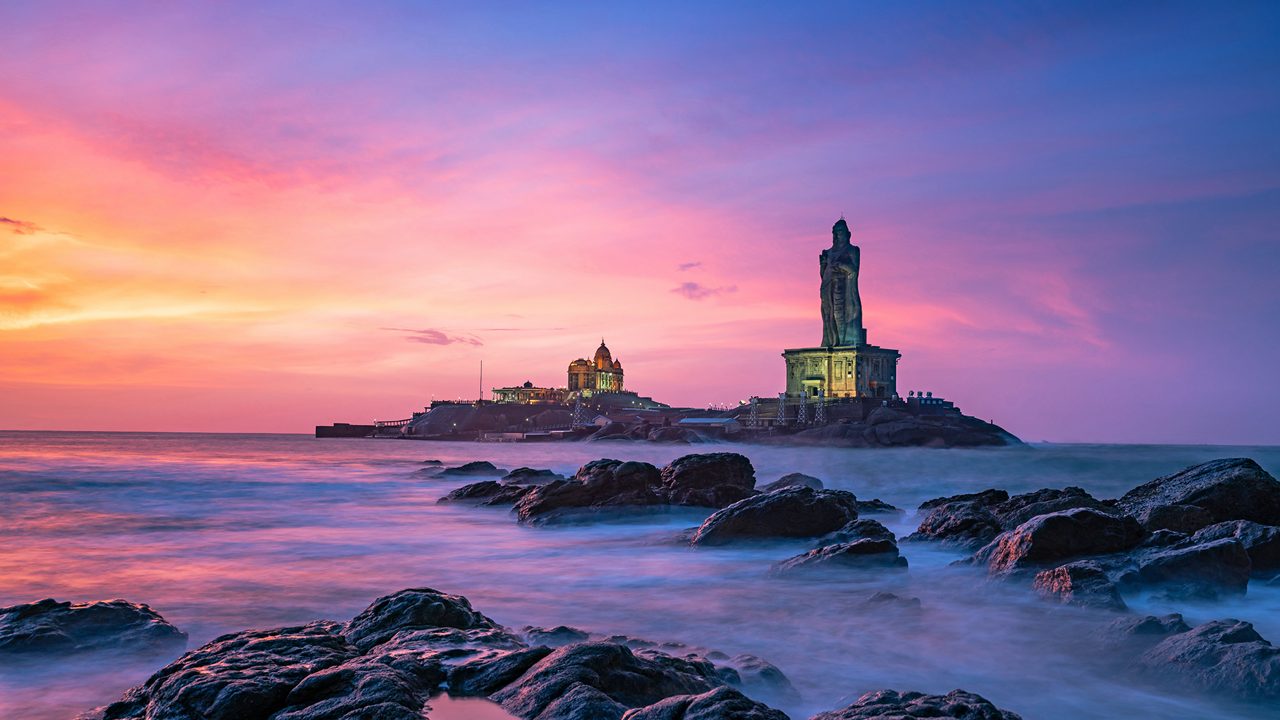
(841,306)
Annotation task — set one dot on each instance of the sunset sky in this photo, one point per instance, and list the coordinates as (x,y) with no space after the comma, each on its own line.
(220,217)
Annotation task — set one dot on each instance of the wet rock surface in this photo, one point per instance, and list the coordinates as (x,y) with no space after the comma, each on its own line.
(530,476)
(893,705)
(865,554)
(712,480)
(1229,489)
(793,512)
(473,469)
(1224,656)
(1083,583)
(1260,542)
(598,484)
(962,523)
(861,529)
(1059,536)
(49,627)
(722,703)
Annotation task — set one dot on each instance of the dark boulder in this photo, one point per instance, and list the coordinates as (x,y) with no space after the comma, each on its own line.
(1021,508)
(1226,656)
(384,688)
(893,604)
(1191,569)
(793,480)
(877,507)
(530,476)
(713,480)
(49,627)
(1137,633)
(611,431)
(986,498)
(1082,583)
(893,705)
(601,680)
(722,703)
(243,676)
(1059,536)
(794,512)
(673,435)
(473,469)
(964,523)
(861,529)
(476,492)
(856,555)
(1261,542)
(412,609)
(598,484)
(1230,489)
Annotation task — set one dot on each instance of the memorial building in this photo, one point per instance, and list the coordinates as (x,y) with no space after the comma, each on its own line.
(845,365)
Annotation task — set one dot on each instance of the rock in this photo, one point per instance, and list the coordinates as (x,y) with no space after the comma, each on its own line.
(1261,542)
(601,680)
(482,490)
(529,476)
(892,705)
(862,529)
(611,431)
(49,627)
(364,687)
(673,435)
(722,703)
(708,480)
(1081,583)
(509,495)
(1059,536)
(415,608)
(242,676)
(554,637)
(1141,632)
(986,497)
(1192,569)
(1226,656)
(598,484)
(1230,489)
(432,462)
(877,507)
(964,523)
(755,675)
(881,601)
(793,480)
(1021,508)
(794,512)
(478,467)
(859,554)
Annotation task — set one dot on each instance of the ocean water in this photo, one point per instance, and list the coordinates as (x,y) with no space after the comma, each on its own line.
(220,533)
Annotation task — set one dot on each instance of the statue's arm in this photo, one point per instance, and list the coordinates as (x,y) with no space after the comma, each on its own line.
(822,264)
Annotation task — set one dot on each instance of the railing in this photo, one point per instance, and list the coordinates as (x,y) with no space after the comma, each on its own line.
(391,423)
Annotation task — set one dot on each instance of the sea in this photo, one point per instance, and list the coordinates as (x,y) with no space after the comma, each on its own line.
(224,532)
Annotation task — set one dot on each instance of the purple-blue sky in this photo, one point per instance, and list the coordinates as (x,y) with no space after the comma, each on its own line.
(235,217)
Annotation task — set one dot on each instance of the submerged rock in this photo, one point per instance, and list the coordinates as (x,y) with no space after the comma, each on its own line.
(877,507)
(722,703)
(713,480)
(1226,656)
(1191,569)
(1021,508)
(554,637)
(793,480)
(530,476)
(893,705)
(1230,489)
(49,627)
(989,497)
(794,512)
(1083,583)
(857,555)
(471,469)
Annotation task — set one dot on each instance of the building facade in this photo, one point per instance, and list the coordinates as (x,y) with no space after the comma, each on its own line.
(600,375)
(845,366)
(530,394)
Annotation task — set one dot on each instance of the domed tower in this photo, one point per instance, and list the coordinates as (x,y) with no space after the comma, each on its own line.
(603,359)
(580,375)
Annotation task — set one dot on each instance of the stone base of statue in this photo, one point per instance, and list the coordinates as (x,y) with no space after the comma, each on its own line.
(847,371)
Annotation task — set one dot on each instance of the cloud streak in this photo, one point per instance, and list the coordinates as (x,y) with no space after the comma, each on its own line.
(697,291)
(431,336)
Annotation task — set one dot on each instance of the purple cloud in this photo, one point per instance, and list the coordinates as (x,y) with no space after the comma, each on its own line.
(19,227)
(432,336)
(697,291)
(689,265)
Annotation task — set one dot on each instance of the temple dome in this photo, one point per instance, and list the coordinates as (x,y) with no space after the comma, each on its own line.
(603,358)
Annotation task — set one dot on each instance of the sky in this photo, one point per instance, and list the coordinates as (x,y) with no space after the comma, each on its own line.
(254,216)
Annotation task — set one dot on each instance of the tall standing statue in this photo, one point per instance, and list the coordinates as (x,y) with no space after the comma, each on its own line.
(841,305)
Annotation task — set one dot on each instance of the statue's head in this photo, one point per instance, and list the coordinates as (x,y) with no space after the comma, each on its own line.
(840,232)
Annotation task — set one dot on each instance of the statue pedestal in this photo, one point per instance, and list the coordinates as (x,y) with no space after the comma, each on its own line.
(844,371)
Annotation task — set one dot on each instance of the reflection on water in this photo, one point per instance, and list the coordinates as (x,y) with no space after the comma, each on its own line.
(225,532)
